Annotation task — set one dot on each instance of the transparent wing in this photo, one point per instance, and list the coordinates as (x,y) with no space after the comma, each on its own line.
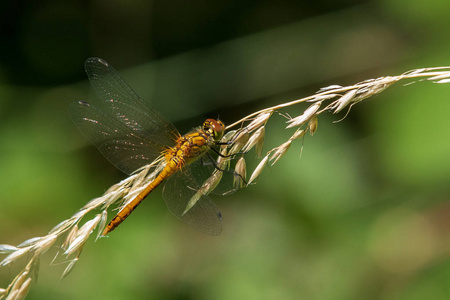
(120,101)
(126,150)
(204,215)
(207,167)
(124,128)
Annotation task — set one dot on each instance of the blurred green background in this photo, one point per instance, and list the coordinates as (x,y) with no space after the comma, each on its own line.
(364,214)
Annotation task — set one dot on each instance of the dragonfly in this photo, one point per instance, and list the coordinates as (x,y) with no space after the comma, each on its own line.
(131,135)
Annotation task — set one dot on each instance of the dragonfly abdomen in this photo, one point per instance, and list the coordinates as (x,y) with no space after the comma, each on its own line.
(168,170)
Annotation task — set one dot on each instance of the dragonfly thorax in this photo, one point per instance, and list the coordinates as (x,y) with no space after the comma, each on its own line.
(194,145)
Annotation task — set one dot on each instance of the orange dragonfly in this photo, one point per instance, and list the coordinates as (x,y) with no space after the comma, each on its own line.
(131,135)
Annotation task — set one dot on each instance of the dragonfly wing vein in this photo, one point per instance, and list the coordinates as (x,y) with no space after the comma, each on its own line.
(119,100)
(125,149)
(203,215)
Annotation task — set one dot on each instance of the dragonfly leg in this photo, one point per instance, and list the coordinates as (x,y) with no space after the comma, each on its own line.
(214,162)
(226,156)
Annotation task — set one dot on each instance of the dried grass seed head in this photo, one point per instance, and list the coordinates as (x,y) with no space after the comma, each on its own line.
(323,97)
(305,117)
(44,244)
(259,168)
(259,120)
(229,135)
(69,267)
(280,151)
(241,173)
(194,199)
(15,255)
(345,100)
(299,133)
(82,235)
(241,140)
(63,226)
(207,187)
(256,138)
(373,87)
(20,279)
(4,249)
(70,237)
(312,125)
(20,286)
(30,242)
(260,143)
(24,289)
(211,183)
(441,77)
(329,88)
(102,224)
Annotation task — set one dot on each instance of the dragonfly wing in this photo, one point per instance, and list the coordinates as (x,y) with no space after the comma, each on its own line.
(178,193)
(125,150)
(204,169)
(119,100)
(128,132)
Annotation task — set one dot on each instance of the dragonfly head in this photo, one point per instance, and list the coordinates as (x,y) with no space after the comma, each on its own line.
(215,128)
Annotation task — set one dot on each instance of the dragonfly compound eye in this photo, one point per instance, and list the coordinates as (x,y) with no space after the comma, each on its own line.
(215,128)
(219,129)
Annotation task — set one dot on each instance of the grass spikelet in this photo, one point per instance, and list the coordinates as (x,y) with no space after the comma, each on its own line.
(258,169)
(240,141)
(299,133)
(5,249)
(256,138)
(82,235)
(260,119)
(241,171)
(15,256)
(280,151)
(345,100)
(70,237)
(69,267)
(44,244)
(23,290)
(312,125)
(305,117)
(102,224)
